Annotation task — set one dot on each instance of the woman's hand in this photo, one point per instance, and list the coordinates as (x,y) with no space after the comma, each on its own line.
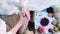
(28,32)
(23,18)
(26,12)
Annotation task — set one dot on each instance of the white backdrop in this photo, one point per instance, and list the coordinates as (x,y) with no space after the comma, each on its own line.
(12,6)
(35,4)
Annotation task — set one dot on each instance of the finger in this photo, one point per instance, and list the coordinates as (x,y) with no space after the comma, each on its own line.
(26,19)
(27,15)
(23,11)
(20,14)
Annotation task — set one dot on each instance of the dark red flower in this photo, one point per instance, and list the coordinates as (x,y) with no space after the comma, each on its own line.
(44,21)
(50,30)
(40,29)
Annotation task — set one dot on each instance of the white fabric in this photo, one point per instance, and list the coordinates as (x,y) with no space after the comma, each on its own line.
(37,4)
(37,18)
(12,6)
(3,27)
(8,33)
(9,9)
(41,4)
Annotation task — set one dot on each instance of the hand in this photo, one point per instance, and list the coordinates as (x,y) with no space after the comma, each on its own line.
(26,12)
(28,32)
(23,19)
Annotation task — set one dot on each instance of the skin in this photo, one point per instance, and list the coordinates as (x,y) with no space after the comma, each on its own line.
(50,14)
(24,18)
(54,23)
(26,12)
(28,32)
